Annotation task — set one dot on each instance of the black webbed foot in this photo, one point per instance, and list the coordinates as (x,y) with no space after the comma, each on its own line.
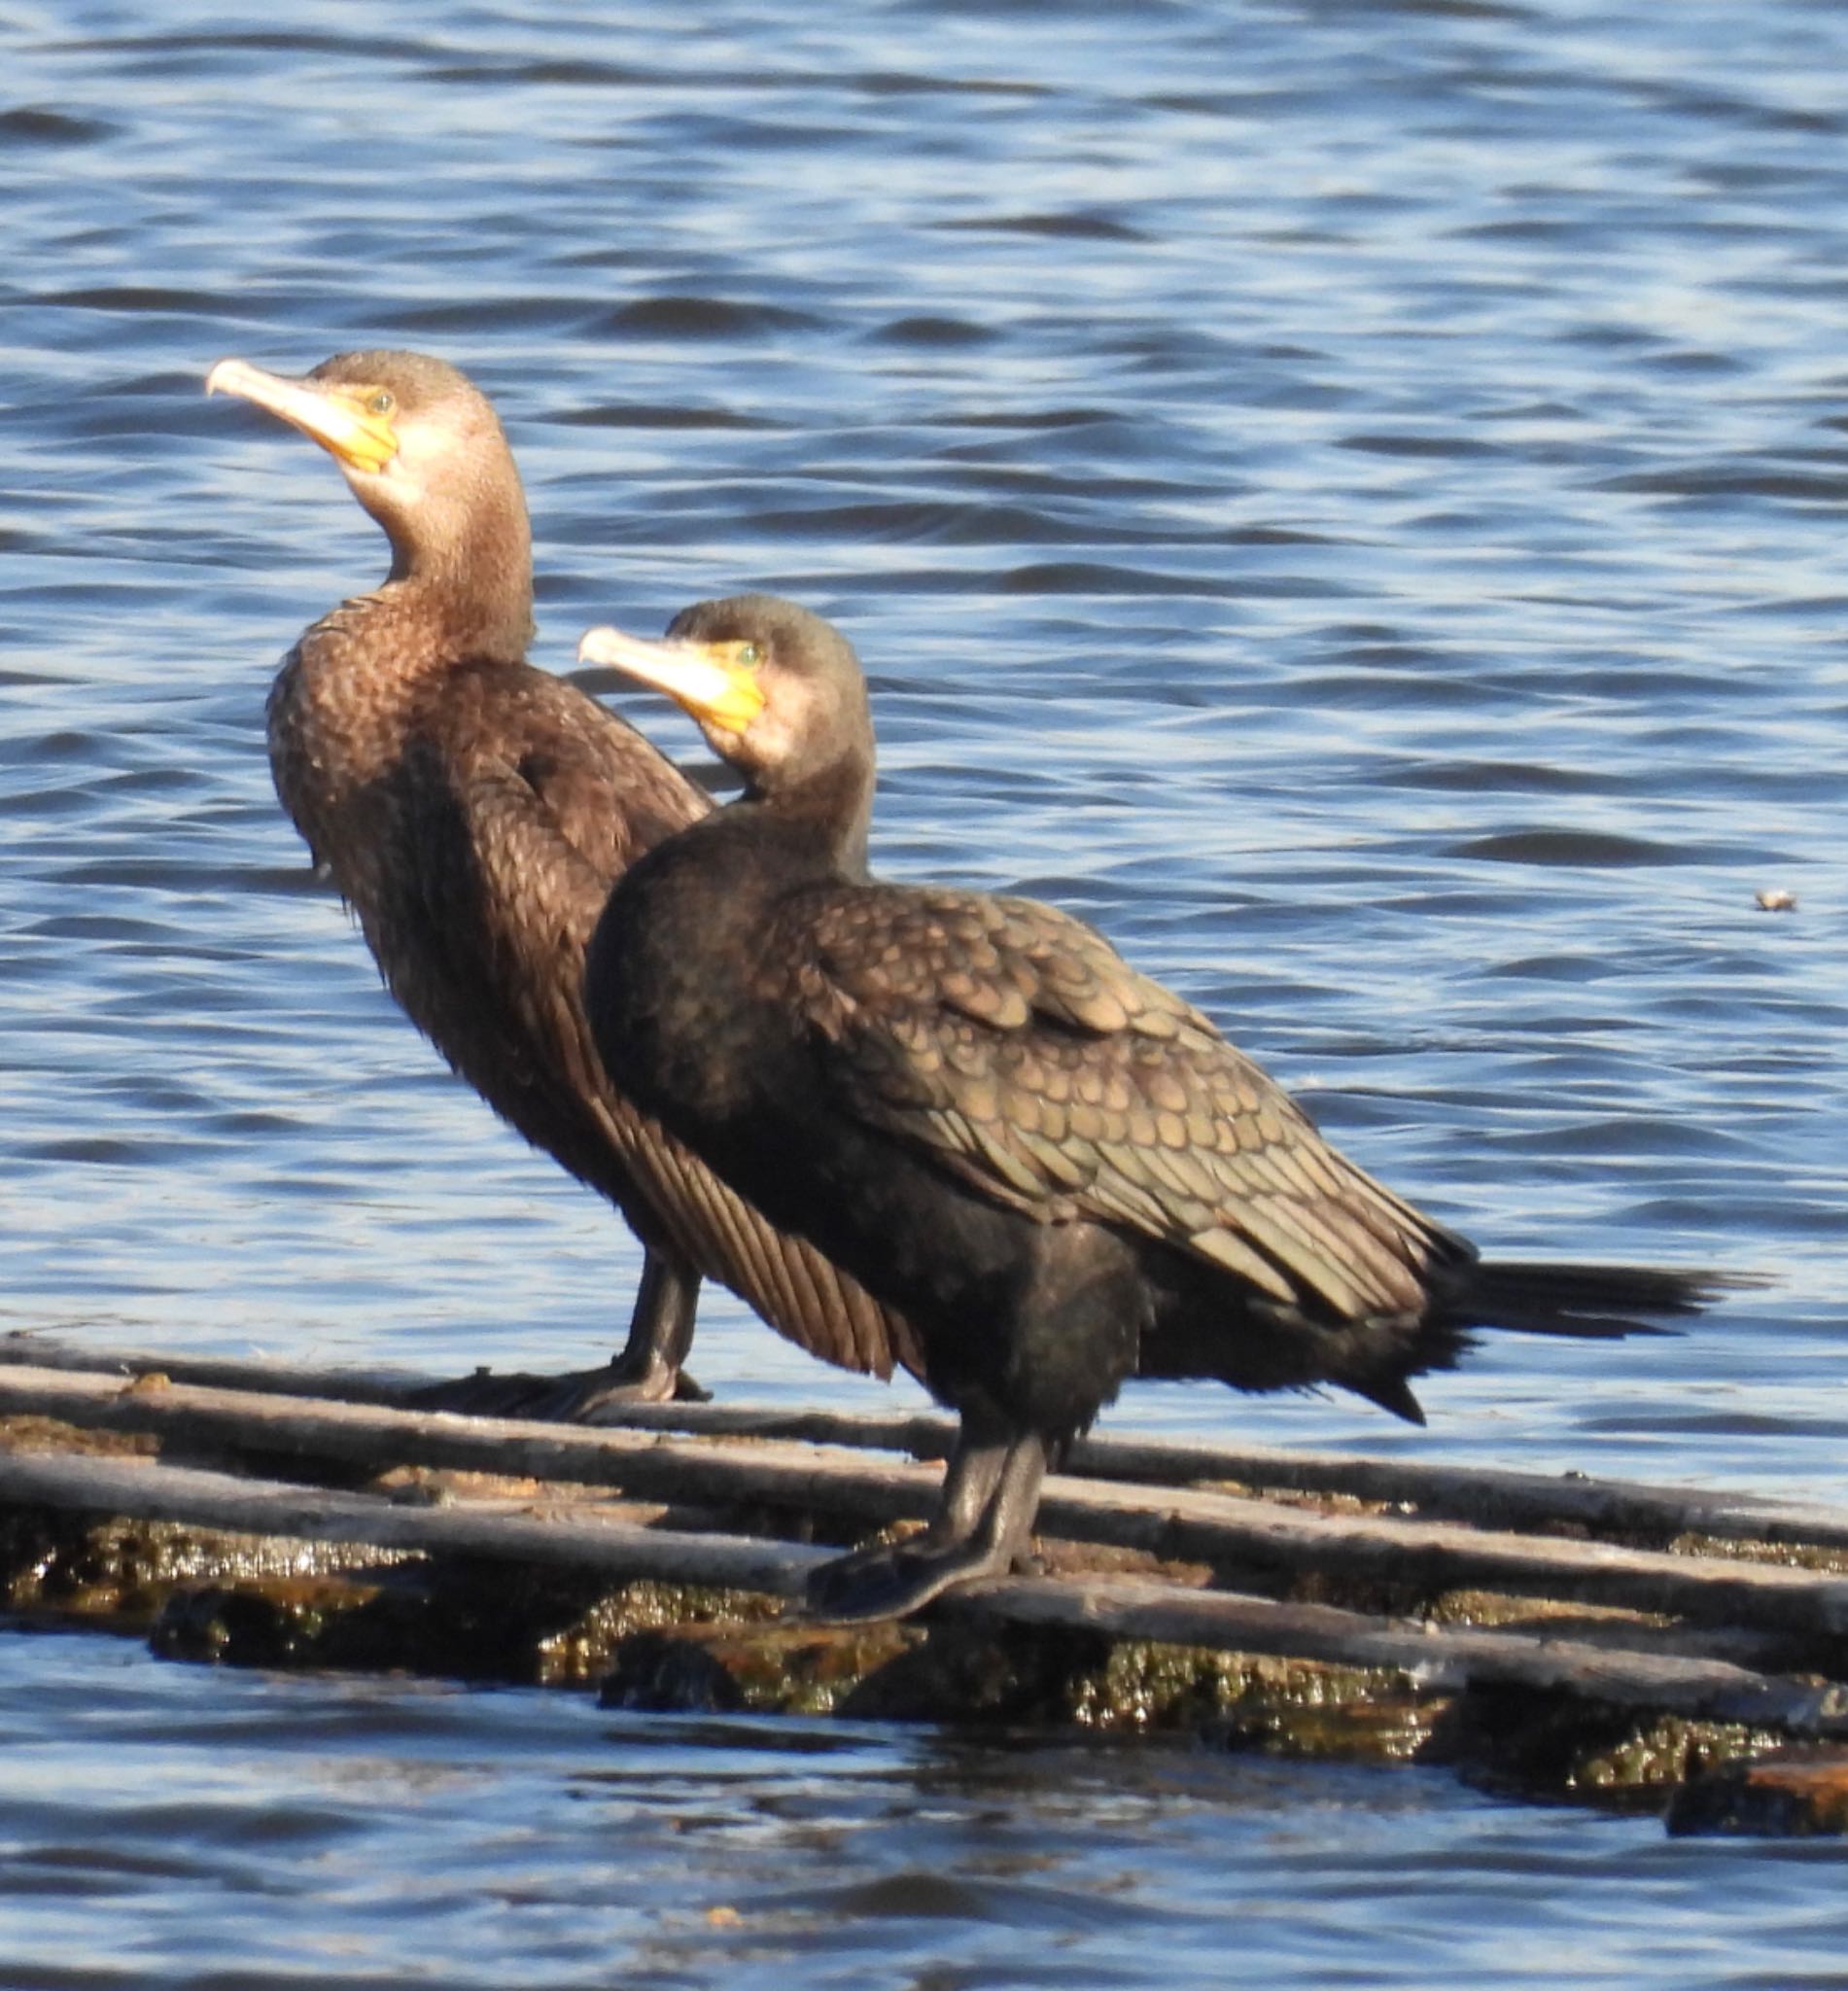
(893,1580)
(984,1528)
(648,1370)
(576,1398)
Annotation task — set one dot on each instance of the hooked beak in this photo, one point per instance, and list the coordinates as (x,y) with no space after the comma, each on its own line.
(706,678)
(337,418)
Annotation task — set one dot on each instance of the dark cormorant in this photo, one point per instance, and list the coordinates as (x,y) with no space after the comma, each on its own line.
(473,812)
(1058,1171)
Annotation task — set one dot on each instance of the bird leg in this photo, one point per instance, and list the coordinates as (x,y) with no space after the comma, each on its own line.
(660,1337)
(983,1527)
(969,1480)
(646,1372)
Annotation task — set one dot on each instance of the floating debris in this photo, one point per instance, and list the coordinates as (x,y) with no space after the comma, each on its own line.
(1561,1637)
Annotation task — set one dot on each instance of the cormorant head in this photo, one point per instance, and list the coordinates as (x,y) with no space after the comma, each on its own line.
(425,454)
(777,690)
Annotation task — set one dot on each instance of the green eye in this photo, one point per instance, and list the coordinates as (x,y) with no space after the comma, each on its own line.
(750,655)
(381,403)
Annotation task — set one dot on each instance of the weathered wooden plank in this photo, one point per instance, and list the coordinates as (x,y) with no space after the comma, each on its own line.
(377,1436)
(147,1490)
(1470,1493)
(1174,1524)
(1434,1555)
(1512,1499)
(26,1348)
(1433,1659)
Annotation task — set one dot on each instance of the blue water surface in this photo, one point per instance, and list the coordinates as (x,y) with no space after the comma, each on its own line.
(1349,497)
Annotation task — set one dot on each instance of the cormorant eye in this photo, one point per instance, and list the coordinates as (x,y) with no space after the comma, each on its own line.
(381,403)
(750,654)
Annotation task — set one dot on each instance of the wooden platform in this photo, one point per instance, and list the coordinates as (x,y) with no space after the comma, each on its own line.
(1561,1636)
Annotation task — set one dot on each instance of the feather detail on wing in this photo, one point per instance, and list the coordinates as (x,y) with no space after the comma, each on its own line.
(1013,1045)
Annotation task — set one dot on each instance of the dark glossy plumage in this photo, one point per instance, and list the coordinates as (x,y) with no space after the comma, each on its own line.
(1060,1172)
(473,812)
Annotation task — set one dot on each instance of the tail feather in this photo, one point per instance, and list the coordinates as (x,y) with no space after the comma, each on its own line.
(1588,1302)
(1593,1302)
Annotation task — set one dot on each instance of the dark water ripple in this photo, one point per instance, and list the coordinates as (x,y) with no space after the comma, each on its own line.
(1347,497)
(373,1833)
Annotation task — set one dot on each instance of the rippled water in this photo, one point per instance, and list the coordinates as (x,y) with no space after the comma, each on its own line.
(1349,496)
(370,1834)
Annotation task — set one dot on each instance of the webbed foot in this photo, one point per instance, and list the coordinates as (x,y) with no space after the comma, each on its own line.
(893,1580)
(648,1370)
(575,1398)
(984,1526)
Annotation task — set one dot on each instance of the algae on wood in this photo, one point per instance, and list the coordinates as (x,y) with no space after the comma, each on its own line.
(1326,1619)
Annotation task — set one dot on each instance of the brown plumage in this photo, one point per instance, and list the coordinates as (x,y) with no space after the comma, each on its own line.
(1058,1171)
(473,812)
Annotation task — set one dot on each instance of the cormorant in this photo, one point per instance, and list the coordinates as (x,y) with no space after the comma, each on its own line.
(473,812)
(1059,1172)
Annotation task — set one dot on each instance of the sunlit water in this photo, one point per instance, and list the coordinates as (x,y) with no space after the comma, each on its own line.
(1348,497)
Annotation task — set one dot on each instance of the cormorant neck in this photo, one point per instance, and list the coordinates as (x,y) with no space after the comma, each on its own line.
(825,810)
(465,565)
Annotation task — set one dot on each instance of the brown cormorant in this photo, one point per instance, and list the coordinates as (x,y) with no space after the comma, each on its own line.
(1058,1171)
(473,812)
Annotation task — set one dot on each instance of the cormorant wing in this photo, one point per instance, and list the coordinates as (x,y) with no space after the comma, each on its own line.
(1017,1048)
(520,801)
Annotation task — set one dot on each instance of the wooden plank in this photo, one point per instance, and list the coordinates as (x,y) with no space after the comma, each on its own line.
(376,1436)
(1431,1557)
(1174,1523)
(143,1489)
(1512,1499)
(25,1348)
(1433,1659)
